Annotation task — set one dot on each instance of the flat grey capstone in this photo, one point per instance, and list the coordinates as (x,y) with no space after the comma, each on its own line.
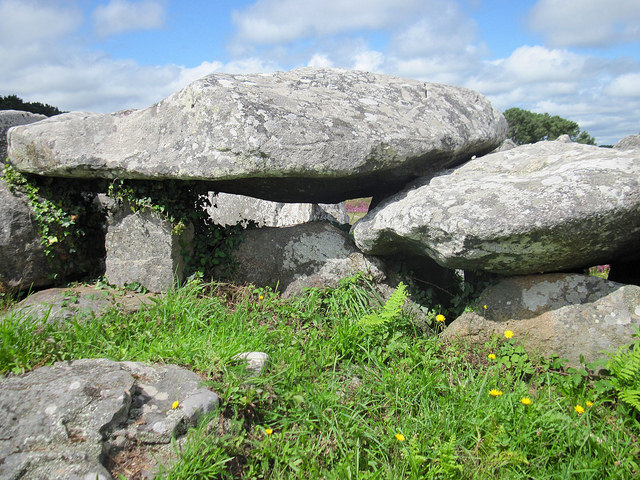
(12,118)
(545,207)
(307,135)
(555,314)
(57,422)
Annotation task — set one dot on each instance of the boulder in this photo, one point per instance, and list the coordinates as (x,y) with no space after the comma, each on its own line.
(308,135)
(508,144)
(142,247)
(12,118)
(556,314)
(229,209)
(315,254)
(544,207)
(631,142)
(55,305)
(61,422)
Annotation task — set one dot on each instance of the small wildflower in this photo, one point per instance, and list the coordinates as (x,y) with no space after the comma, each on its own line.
(508,334)
(400,437)
(495,393)
(589,404)
(175,404)
(485,307)
(526,401)
(579,409)
(268,431)
(492,356)
(261,297)
(440,318)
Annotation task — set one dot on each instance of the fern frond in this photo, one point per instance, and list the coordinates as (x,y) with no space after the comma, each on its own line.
(631,397)
(390,310)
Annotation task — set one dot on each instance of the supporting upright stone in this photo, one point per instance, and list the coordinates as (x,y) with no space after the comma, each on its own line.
(142,247)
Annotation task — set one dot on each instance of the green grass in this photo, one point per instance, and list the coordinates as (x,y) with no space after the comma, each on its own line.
(344,401)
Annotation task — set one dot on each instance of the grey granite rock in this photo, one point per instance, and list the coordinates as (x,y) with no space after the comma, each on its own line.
(544,207)
(556,314)
(308,135)
(12,118)
(630,142)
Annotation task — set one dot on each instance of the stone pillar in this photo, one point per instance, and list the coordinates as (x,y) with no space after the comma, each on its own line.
(142,248)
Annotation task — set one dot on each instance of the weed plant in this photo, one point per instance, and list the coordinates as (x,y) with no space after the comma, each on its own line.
(346,399)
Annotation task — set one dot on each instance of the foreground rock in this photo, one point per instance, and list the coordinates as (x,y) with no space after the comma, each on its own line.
(544,207)
(308,135)
(556,314)
(12,118)
(229,209)
(313,254)
(62,422)
(56,305)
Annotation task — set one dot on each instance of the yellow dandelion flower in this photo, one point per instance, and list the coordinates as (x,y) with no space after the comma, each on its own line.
(261,297)
(508,334)
(579,409)
(400,437)
(268,431)
(492,356)
(495,393)
(485,307)
(589,404)
(440,318)
(175,404)
(526,401)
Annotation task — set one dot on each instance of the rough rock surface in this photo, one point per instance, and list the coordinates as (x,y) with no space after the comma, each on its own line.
(308,135)
(60,304)
(631,142)
(544,207)
(141,248)
(61,422)
(556,314)
(315,254)
(12,118)
(230,209)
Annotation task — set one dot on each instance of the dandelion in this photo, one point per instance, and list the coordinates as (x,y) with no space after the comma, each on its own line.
(440,318)
(175,405)
(508,334)
(589,404)
(495,393)
(485,307)
(400,437)
(579,409)
(492,356)
(261,297)
(526,401)
(268,431)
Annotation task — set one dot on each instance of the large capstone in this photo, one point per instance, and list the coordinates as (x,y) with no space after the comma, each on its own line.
(308,135)
(545,207)
(12,118)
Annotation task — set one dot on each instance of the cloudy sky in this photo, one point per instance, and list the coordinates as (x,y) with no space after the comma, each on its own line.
(579,59)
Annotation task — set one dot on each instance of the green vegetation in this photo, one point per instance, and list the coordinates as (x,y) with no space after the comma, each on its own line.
(13,102)
(343,400)
(529,127)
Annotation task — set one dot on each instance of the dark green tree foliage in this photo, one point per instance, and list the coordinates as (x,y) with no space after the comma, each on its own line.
(13,102)
(529,127)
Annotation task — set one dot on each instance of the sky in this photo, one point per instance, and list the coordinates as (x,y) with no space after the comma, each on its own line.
(579,59)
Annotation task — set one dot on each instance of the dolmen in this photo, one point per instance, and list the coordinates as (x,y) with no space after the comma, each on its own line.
(423,151)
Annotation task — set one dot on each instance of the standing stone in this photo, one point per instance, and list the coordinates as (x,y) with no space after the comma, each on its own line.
(545,207)
(12,118)
(143,248)
(308,135)
(556,314)
(229,209)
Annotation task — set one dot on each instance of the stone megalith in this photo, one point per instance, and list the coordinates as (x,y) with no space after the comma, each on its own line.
(12,118)
(630,142)
(555,314)
(545,207)
(308,135)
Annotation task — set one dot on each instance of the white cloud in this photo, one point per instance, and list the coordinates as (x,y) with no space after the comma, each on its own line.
(120,16)
(627,85)
(586,23)
(320,61)
(25,23)
(539,64)
(281,21)
(369,61)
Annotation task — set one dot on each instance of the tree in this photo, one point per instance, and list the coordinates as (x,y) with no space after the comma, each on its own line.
(529,127)
(13,102)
